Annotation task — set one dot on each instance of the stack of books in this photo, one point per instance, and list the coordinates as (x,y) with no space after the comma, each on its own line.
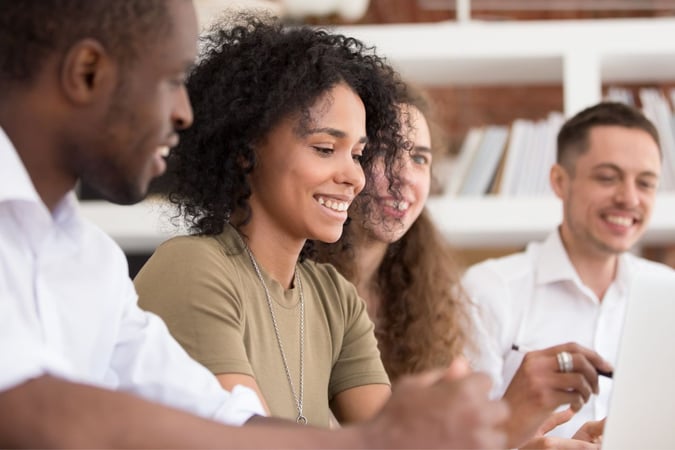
(515,160)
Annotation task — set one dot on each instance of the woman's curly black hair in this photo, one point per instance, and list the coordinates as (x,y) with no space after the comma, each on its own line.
(251,75)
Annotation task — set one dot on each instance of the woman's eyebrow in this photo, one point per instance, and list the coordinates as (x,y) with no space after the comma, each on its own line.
(422,148)
(335,133)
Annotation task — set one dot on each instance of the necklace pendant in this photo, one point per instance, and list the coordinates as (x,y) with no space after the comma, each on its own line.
(302,420)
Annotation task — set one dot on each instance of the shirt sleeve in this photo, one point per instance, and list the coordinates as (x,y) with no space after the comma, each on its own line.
(150,363)
(23,354)
(359,361)
(488,291)
(185,283)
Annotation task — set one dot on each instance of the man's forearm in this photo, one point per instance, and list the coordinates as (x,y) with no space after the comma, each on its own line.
(49,412)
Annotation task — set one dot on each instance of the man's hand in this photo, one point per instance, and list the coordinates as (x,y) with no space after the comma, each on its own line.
(591,431)
(539,387)
(589,436)
(442,409)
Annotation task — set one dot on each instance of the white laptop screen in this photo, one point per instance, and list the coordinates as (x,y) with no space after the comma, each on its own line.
(642,406)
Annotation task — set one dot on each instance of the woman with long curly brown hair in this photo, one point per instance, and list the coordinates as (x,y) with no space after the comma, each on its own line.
(400,263)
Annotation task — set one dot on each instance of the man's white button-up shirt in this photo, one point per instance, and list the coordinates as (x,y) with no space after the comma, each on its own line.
(68,309)
(534,300)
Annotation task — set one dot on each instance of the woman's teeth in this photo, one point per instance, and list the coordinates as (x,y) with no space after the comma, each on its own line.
(401,205)
(335,205)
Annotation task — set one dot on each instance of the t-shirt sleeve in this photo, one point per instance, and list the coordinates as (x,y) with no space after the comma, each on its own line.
(186,283)
(358,362)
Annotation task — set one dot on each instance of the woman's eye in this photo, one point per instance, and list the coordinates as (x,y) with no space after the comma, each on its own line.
(178,81)
(357,157)
(419,159)
(323,150)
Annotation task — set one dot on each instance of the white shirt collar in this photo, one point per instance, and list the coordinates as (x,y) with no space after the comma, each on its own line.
(554,265)
(16,185)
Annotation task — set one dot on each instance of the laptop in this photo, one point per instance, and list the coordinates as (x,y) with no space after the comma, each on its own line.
(641,412)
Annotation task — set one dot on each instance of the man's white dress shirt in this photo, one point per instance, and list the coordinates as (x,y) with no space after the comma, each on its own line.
(68,309)
(534,300)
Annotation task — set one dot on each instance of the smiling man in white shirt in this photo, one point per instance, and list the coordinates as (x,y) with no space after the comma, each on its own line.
(573,286)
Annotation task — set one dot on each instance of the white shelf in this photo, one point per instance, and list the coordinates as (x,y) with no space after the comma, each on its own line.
(465,222)
(481,222)
(579,54)
(138,228)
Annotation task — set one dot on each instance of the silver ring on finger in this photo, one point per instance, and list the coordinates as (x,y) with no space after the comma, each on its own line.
(565,362)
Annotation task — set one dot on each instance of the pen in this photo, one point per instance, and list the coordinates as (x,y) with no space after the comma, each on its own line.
(602,373)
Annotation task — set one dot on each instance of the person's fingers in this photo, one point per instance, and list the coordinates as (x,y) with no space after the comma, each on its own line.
(580,365)
(496,412)
(549,442)
(596,428)
(486,417)
(559,397)
(478,415)
(595,359)
(591,431)
(457,369)
(573,382)
(426,378)
(555,419)
(491,438)
(472,392)
(584,366)
(478,382)
(436,410)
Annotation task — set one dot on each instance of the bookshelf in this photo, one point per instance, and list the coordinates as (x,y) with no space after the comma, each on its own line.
(469,222)
(580,55)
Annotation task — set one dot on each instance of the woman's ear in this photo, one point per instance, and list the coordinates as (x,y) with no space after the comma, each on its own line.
(247,164)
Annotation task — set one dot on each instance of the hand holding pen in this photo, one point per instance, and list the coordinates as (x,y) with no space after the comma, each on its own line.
(547,378)
(604,373)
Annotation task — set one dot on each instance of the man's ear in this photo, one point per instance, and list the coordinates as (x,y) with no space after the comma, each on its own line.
(87,71)
(559,179)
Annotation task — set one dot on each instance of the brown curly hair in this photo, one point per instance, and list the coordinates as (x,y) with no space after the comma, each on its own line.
(423,319)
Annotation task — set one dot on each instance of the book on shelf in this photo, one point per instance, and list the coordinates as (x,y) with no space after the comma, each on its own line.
(546,154)
(658,110)
(531,160)
(484,163)
(619,94)
(496,182)
(511,166)
(461,163)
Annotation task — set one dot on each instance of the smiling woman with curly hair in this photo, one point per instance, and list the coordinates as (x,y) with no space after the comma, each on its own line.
(288,124)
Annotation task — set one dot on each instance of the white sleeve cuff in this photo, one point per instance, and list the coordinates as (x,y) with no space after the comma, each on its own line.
(242,404)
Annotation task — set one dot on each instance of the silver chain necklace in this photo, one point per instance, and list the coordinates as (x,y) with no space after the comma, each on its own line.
(301,419)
